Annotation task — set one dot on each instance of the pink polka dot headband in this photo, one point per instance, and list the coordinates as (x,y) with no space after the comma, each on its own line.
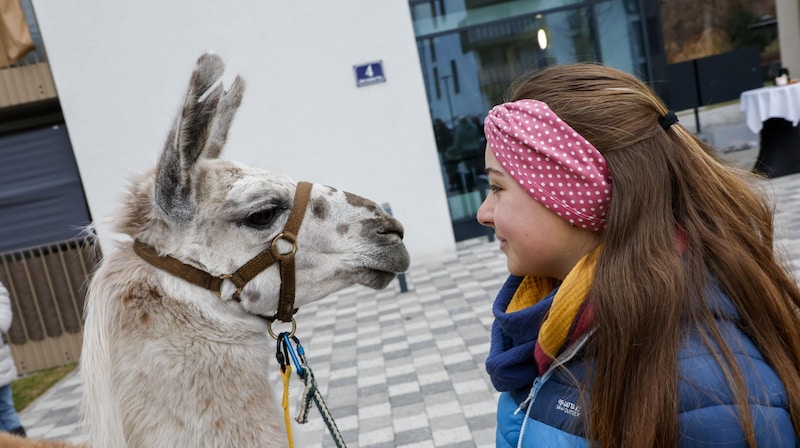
(553,163)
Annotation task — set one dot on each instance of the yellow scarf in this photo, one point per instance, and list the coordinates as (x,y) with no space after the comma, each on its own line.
(566,304)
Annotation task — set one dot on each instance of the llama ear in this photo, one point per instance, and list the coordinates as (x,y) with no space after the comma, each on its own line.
(226,110)
(188,137)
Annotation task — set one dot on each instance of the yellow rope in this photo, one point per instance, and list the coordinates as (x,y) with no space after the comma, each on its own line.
(287,374)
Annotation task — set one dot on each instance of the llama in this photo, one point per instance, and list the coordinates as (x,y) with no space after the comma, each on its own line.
(170,361)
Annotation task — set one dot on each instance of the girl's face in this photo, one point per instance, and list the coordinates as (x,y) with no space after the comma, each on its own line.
(536,241)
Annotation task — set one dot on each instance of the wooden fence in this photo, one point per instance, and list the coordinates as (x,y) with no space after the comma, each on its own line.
(48,285)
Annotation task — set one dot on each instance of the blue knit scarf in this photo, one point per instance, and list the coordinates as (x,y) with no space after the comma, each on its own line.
(510,363)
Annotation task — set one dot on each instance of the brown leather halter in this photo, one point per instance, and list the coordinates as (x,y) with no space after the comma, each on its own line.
(255,266)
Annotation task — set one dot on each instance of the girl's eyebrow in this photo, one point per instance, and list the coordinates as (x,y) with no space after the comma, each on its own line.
(495,171)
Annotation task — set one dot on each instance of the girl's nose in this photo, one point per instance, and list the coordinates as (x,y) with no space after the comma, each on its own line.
(484,214)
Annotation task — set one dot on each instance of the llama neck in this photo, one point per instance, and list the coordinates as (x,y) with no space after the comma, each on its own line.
(180,372)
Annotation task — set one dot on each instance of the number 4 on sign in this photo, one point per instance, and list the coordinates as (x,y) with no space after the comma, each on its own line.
(369,73)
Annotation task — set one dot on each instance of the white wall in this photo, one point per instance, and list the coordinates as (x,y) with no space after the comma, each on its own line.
(788,12)
(121,69)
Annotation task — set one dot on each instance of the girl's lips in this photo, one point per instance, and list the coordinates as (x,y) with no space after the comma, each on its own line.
(503,242)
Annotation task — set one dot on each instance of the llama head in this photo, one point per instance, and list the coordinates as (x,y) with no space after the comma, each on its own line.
(216,215)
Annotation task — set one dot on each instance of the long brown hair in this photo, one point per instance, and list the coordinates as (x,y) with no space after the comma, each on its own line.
(668,185)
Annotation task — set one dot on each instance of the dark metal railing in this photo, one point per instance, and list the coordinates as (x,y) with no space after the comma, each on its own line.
(48,285)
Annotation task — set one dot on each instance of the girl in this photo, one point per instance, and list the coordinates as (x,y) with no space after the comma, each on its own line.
(645,305)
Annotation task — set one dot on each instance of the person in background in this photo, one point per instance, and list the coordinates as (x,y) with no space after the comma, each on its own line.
(444,138)
(465,155)
(9,419)
(646,305)
(466,139)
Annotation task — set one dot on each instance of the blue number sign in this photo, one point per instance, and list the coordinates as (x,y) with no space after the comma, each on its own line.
(370,73)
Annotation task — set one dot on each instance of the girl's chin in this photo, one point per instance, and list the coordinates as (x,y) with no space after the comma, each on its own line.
(513,269)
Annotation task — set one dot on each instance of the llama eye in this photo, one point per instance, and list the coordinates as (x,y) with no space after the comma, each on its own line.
(261,218)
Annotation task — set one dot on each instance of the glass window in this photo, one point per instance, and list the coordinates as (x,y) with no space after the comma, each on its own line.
(620,36)
(441,16)
(478,64)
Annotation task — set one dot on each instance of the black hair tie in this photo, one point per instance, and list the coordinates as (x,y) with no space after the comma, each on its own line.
(668,120)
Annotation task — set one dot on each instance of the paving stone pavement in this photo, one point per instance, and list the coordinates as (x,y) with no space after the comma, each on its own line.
(403,369)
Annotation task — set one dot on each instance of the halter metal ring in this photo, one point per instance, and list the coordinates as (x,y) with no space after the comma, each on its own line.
(275,336)
(224,277)
(283,236)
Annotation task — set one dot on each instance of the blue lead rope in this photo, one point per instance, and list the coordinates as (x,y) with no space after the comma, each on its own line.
(286,354)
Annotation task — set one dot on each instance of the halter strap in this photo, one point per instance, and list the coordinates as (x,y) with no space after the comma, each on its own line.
(249,270)
(286,303)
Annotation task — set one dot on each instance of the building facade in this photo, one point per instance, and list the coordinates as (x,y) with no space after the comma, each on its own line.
(90,105)
(424,149)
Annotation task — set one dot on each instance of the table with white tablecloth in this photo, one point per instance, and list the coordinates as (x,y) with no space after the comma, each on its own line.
(774,114)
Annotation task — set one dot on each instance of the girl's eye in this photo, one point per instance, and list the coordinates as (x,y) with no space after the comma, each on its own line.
(261,218)
(494,188)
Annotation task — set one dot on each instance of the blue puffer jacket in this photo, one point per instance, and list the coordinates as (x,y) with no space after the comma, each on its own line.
(547,413)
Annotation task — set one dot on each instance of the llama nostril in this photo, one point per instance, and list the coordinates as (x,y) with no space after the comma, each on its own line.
(399,233)
(392,226)
(383,226)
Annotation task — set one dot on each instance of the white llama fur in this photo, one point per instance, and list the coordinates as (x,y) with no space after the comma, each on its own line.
(169,364)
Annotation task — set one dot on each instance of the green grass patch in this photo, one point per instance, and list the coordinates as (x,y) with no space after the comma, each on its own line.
(30,387)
